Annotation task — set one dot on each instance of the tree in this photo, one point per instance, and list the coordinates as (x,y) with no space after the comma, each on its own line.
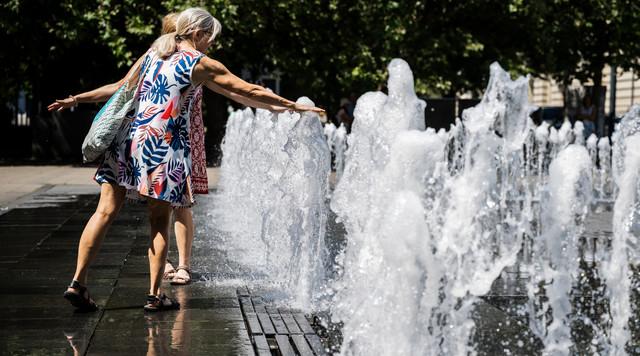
(326,48)
(577,38)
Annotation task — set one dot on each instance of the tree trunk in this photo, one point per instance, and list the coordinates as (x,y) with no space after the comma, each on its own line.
(597,85)
(596,97)
(564,88)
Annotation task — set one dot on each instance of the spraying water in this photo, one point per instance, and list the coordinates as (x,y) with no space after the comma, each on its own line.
(556,250)
(329,133)
(626,228)
(604,187)
(337,141)
(339,148)
(458,230)
(273,186)
(385,223)
(434,220)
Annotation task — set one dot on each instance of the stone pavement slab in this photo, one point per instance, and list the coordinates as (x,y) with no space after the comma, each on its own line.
(39,240)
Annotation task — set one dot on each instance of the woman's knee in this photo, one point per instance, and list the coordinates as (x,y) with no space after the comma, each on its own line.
(111,199)
(106,214)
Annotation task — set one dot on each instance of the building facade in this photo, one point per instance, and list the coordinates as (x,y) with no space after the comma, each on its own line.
(547,93)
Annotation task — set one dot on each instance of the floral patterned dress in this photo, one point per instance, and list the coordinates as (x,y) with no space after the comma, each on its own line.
(151,155)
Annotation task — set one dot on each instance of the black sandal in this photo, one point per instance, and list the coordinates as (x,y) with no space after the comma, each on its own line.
(160,303)
(80,299)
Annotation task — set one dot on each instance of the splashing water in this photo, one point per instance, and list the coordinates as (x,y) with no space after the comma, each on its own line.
(329,133)
(425,225)
(556,251)
(339,148)
(337,141)
(435,220)
(626,227)
(271,204)
(605,191)
(578,133)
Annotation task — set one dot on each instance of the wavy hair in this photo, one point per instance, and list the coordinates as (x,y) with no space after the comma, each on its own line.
(186,24)
(169,22)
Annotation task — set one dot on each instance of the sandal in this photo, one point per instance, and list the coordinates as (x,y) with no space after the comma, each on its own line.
(160,303)
(169,271)
(179,280)
(80,299)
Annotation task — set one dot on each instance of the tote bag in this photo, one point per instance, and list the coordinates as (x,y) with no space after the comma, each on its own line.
(108,120)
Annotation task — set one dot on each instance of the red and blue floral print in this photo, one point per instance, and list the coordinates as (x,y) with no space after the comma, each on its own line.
(151,154)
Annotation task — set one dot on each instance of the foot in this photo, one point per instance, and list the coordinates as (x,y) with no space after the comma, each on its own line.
(182,276)
(78,296)
(160,303)
(169,271)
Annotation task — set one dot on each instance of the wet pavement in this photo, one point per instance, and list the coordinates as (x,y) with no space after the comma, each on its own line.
(37,259)
(38,240)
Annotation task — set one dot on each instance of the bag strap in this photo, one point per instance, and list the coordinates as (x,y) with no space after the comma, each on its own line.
(136,76)
(133,78)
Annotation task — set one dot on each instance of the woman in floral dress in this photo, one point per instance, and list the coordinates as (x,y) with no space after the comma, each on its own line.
(151,155)
(183,226)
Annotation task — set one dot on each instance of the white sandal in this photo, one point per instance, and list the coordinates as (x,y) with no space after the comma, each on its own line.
(169,271)
(179,280)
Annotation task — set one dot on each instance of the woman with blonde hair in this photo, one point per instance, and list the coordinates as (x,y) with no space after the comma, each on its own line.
(183,226)
(151,155)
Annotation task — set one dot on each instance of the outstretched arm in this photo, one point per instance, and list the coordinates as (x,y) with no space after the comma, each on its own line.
(241,99)
(212,71)
(94,96)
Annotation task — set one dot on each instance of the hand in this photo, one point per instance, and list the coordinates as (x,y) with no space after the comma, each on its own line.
(301,108)
(61,104)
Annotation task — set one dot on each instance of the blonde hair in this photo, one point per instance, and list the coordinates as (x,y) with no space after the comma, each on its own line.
(169,22)
(187,22)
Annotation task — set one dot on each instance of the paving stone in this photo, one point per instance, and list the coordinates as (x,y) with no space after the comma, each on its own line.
(210,332)
(39,255)
(27,349)
(42,300)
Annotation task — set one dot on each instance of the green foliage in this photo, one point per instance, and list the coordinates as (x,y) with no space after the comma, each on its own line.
(326,48)
(577,38)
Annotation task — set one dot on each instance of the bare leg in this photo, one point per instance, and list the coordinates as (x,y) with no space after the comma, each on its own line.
(159,218)
(183,228)
(111,199)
